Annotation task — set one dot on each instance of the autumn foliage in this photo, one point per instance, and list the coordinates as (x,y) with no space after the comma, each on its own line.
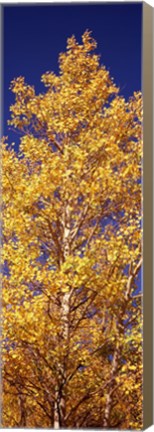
(72,311)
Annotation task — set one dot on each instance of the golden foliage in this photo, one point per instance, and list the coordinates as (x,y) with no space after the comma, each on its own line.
(72,321)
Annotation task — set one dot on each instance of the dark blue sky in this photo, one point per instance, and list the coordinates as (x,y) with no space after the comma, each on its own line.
(35,35)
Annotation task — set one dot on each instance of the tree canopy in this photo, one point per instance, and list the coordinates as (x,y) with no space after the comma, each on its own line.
(72,311)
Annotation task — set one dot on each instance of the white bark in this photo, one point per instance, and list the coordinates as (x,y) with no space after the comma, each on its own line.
(60,406)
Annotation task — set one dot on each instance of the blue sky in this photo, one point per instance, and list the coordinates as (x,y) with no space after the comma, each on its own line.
(34,36)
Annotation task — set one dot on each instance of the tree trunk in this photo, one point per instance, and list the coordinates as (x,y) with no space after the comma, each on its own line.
(108,407)
(60,403)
